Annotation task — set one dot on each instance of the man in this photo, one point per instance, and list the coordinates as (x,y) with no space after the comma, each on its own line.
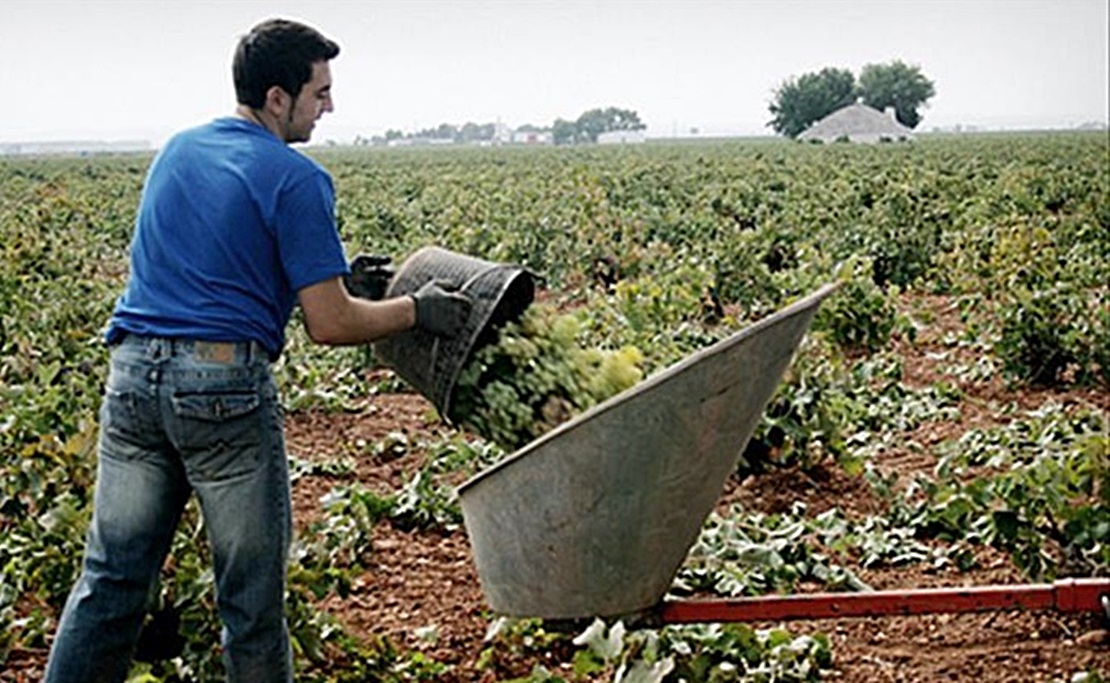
(234,227)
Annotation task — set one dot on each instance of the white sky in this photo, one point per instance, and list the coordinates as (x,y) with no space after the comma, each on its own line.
(140,70)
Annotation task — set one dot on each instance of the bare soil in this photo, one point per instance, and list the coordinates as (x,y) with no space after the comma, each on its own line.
(419,579)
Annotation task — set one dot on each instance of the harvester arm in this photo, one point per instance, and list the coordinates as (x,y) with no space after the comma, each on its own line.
(1065,595)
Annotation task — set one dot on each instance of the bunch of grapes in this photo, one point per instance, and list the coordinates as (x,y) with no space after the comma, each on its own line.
(537,376)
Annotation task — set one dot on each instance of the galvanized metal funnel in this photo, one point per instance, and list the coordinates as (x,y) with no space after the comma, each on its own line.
(596,517)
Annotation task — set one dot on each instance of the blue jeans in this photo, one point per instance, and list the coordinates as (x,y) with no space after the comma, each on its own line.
(180,417)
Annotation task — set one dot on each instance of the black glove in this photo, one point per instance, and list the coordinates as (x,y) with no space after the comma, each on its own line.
(370,276)
(439,310)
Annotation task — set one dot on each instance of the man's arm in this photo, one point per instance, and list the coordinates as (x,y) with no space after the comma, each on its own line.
(334,317)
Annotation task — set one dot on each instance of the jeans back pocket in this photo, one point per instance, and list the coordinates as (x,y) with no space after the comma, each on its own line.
(220,434)
(215,407)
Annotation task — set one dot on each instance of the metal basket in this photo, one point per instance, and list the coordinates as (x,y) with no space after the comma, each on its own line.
(430,363)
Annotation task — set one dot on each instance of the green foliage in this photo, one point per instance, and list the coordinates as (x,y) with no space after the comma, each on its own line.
(897,85)
(1034,344)
(1055,336)
(1047,502)
(807,418)
(697,654)
(860,316)
(508,641)
(828,407)
(753,554)
(698,240)
(801,101)
(1050,297)
(425,503)
(700,654)
(737,652)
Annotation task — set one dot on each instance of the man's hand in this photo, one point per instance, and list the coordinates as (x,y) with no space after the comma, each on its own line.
(439,310)
(370,276)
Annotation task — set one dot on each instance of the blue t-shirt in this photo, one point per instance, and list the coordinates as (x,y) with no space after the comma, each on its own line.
(232,223)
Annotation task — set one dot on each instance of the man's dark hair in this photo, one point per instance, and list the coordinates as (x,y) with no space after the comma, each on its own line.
(277,52)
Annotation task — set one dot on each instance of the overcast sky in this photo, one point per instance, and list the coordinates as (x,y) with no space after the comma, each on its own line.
(127,70)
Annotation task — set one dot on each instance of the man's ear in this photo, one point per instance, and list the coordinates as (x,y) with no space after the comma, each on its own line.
(277,100)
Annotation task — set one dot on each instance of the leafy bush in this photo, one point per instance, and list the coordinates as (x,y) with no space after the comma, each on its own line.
(1054,337)
(860,316)
(807,418)
(1033,344)
(1047,503)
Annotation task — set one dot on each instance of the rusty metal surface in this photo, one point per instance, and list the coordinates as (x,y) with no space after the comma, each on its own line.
(595,517)
(1065,595)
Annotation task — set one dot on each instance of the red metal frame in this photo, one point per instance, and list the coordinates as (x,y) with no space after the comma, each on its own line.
(1066,595)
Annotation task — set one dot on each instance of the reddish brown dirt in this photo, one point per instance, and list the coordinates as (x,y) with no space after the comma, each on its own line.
(422,579)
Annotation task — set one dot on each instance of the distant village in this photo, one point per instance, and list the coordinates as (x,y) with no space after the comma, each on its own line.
(496,134)
(604,126)
(493,134)
(75,147)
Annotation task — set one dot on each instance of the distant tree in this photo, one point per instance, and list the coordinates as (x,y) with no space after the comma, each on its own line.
(564,132)
(445,131)
(622,119)
(473,132)
(896,85)
(470,132)
(799,102)
(593,123)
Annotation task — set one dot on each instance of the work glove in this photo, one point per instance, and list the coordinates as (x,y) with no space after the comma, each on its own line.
(440,310)
(370,276)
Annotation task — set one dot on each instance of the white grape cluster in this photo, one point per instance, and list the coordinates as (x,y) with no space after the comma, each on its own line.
(536,376)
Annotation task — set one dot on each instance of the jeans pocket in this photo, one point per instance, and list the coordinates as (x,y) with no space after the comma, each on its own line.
(129,428)
(215,406)
(220,434)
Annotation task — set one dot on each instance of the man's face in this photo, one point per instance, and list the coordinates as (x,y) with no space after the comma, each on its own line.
(313,100)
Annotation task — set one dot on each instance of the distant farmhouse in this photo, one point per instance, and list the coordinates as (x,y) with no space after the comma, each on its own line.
(620,137)
(527,136)
(858,123)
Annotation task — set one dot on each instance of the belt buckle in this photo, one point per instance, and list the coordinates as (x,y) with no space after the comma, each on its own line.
(214,352)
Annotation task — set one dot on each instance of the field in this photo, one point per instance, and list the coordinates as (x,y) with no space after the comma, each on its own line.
(945,422)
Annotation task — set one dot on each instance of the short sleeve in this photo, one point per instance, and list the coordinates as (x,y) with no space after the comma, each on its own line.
(308,240)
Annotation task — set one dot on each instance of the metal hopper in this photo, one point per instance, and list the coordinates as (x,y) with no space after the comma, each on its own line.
(595,517)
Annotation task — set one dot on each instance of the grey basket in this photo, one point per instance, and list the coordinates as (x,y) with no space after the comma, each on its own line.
(431,364)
